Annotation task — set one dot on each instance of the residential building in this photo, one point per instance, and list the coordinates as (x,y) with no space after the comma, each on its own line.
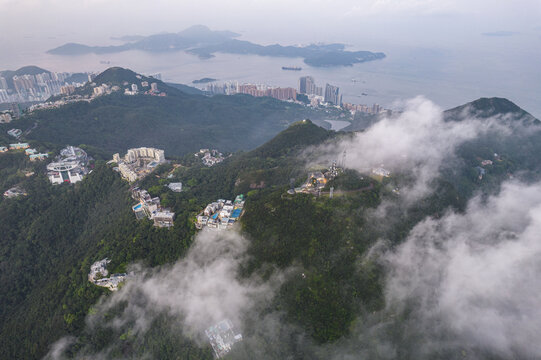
(175,187)
(98,91)
(145,153)
(15,132)
(210,157)
(69,167)
(127,173)
(139,162)
(5,118)
(332,95)
(163,218)
(14,192)
(98,273)
(18,146)
(221,214)
(151,208)
(67,90)
(39,156)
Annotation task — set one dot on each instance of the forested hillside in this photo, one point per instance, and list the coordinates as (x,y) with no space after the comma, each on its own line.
(320,247)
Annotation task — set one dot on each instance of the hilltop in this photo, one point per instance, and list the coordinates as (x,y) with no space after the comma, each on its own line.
(488,107)
(202,41)
(121,77)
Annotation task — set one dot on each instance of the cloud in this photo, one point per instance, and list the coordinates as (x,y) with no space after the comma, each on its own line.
(198,291)
(473,278)
(415,142)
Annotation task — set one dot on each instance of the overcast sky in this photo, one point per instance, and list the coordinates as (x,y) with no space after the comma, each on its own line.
(400,21)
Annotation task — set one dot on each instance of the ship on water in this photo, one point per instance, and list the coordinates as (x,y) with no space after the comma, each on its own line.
(292,68)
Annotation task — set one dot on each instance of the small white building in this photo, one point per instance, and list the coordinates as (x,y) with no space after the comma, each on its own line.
(175,187)
(163,218)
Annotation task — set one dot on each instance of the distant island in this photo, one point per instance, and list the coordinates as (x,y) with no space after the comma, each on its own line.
(292,68)
(204,81)
(203,42)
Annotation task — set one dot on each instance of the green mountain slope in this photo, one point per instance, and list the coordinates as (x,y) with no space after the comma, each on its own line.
(51,237)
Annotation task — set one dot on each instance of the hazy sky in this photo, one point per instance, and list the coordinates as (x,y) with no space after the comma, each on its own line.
(403,21)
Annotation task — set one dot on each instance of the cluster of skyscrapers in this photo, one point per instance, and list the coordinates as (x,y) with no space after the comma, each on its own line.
(332,95)
(39,87)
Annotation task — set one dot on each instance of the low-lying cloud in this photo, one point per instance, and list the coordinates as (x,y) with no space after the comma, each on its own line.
(477,273)
(198,291)
(415,142)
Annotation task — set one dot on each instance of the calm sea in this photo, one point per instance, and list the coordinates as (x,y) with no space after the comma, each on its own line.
(447,77)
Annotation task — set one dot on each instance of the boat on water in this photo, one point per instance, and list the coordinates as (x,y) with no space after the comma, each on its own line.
(292,68)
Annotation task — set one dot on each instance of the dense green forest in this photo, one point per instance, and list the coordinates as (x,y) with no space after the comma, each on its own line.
(52,236)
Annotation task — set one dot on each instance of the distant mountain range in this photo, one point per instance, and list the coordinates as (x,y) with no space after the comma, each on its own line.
(203,42)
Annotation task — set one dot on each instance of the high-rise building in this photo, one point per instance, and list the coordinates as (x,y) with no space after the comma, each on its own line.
(332,95)
(306,85)
(283,93)
(4,97)
(3,83)
(67,89)
(15,110)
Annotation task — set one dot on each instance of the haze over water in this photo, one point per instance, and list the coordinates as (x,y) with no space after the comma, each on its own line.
(449,75)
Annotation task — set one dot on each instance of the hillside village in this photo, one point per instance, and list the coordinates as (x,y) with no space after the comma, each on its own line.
(221,214)
(151,208)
